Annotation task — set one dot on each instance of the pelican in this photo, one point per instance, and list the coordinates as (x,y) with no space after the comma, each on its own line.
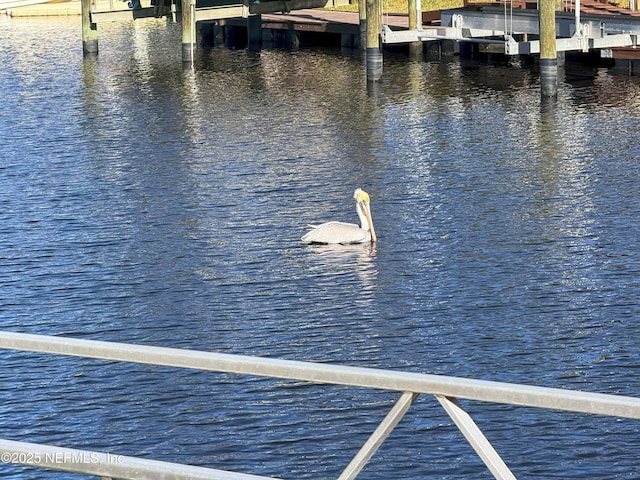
(340,232)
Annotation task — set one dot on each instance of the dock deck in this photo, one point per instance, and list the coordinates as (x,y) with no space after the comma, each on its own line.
(608,29)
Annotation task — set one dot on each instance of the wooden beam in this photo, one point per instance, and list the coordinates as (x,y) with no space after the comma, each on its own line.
(240,10)
(219,13)
(236,10)
(621,53)
(285,6)
(121,15)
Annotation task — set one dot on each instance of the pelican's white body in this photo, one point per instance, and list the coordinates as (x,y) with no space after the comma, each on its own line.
(340,232)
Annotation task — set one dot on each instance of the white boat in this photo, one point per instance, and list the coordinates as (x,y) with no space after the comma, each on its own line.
(8,4)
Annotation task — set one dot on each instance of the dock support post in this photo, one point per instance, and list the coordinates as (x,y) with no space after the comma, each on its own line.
(362,15)
(89,29)
(188,30)
(254,32)
(548,52)
(373,52)
(292,39)
(415,23)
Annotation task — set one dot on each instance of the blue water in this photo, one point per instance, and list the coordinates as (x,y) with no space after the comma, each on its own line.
(147,203)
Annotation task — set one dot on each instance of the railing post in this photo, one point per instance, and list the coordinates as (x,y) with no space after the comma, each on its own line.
(476,438)
(378,436)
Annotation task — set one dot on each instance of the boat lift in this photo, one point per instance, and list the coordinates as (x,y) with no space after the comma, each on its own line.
(509,30)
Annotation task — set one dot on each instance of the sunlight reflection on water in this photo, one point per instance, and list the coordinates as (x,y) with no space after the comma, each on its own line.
(144,203)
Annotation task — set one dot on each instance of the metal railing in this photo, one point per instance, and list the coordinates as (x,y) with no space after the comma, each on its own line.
(445,389)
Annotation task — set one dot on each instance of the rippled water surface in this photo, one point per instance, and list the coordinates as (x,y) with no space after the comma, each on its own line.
(142,202)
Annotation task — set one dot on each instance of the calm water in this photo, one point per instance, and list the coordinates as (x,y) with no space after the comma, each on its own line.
(141,202)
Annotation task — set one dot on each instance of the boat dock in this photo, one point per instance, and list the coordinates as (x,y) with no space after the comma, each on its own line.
(509,28)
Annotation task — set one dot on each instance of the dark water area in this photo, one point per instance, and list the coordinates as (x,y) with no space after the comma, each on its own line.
(147,203)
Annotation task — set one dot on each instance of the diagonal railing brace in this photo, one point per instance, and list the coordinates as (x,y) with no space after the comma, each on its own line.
(476,438)
(378,436)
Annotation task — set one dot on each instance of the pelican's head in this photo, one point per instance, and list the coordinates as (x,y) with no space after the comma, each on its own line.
(364,211)
(360,195)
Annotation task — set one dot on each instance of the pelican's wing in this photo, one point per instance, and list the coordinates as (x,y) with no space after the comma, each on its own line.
(337,232)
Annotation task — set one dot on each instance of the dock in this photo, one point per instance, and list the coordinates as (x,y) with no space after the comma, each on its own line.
(507,28)
(611,30)
(56,8)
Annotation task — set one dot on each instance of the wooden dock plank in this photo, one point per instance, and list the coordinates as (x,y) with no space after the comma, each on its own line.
(327,18)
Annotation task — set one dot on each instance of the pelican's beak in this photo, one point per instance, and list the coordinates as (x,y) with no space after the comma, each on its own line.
(367,213)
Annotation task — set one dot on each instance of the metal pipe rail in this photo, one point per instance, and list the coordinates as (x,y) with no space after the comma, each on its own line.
(108,465)
(446,390)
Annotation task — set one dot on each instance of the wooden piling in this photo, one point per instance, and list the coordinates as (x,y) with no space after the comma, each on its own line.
(415,22)
(362,15)
(373,51)
(254,32)
(548,52)
(188,30)
(89,29)
(292,39)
